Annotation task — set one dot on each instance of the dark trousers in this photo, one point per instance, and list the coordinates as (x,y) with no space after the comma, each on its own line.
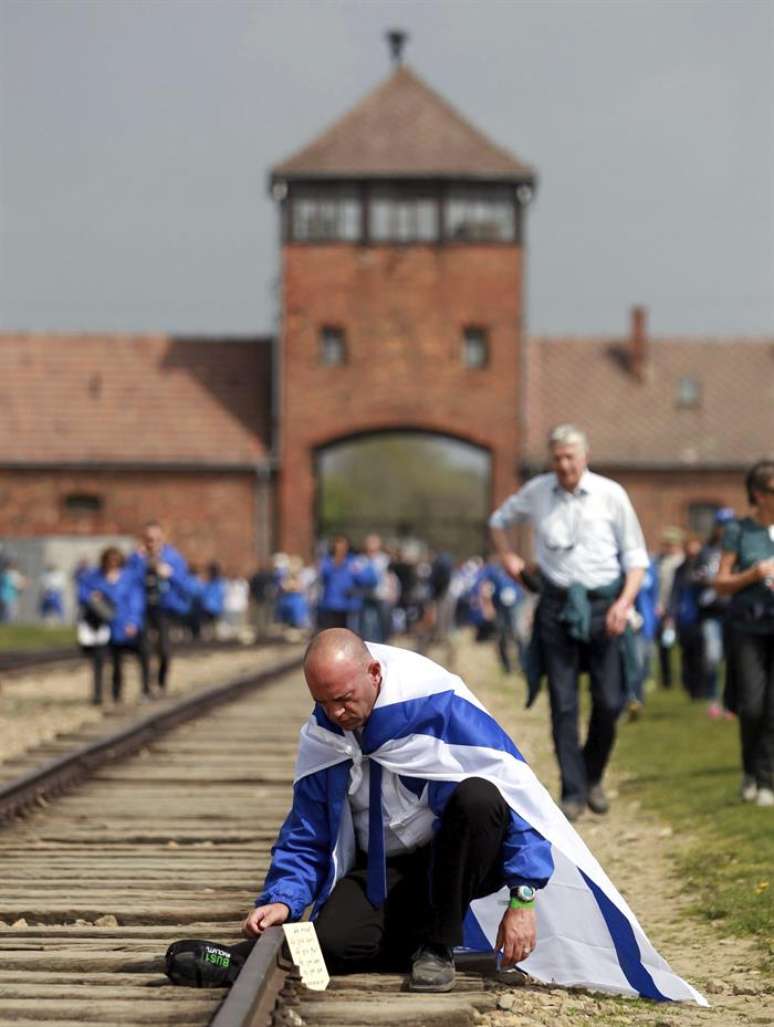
(155,640)
(507,637)
(692,660)
(565,659)
(428,890)
(753,657)
(664,659)
(99,657)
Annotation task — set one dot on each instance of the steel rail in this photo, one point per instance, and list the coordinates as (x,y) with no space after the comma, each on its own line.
(57,775)
(252,998)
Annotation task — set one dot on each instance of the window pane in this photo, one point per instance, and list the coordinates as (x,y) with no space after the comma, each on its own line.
(427,220)
(688,392)
(326,213)
(475,348)
(333,351)
(402,216)
(701,518)
(481,213)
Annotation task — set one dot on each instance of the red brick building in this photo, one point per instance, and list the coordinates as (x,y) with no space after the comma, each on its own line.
(402,304)
(676,420)
(100,433)
(402,288)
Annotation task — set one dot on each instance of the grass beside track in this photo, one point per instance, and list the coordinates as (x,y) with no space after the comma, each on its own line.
(34,637)
(686,767)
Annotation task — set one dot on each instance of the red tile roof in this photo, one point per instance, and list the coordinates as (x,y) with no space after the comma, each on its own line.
(635,423)
(134,399)
(403,129)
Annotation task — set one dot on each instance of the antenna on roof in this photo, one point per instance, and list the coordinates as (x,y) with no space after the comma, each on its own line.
(397,39)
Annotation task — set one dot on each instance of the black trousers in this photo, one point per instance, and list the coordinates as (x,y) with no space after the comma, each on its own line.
(664,658)
(100,655)
(428,890)
(753,657)
(155,639)
(565,659)
(692,660)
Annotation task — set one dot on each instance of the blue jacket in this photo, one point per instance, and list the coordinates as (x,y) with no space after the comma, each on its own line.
(647,601)
(506,592)
(176,591)
(211,596)
(343,584)
(126,593)
(301,859)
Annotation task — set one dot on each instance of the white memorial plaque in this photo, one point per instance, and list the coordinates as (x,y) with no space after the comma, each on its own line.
(306,953)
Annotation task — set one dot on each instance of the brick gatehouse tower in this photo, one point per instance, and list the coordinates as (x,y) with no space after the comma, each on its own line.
(402,272)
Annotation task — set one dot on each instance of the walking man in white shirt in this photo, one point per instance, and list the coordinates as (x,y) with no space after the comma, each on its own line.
(592,558)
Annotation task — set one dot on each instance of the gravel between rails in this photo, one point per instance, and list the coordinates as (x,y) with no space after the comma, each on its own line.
(169,844)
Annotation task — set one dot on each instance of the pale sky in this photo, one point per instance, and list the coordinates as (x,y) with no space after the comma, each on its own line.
(137,137)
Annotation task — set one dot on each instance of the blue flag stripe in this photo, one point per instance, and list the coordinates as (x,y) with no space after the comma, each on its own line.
(473,934)
(444,715)
(626,947)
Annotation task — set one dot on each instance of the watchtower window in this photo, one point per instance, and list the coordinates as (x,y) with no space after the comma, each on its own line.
(475,347)
(481,214)
(333,347)
(325,214)
(400,216)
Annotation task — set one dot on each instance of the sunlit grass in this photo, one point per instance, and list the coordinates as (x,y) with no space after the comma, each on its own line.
(686,767)
(35,636)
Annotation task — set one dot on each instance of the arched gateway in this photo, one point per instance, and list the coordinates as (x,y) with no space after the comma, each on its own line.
(401,289)
(405,485)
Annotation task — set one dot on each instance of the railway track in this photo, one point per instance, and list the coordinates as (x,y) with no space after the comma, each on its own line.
(173,842)
(20,661)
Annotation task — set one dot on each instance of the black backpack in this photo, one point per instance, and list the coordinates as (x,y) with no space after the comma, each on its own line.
(195,963)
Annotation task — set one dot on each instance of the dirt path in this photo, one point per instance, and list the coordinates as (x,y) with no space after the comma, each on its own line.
(637,851)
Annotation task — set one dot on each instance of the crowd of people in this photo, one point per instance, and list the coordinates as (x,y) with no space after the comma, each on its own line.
(593,600)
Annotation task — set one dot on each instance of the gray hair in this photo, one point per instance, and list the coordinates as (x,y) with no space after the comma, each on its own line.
(568,435)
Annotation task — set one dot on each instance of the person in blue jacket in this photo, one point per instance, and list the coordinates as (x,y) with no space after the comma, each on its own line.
(112,602)
(344,579)
(646,605)
(213,593)
(168,589)
(506,595)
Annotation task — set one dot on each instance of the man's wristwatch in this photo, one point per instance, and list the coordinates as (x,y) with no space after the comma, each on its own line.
(522,897)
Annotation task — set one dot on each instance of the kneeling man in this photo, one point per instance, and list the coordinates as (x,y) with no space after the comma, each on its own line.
(417,827)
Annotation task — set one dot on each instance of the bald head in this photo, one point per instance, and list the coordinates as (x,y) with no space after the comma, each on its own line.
(342,677)
(335,647)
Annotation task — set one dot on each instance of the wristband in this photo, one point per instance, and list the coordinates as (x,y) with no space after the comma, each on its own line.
(520,904)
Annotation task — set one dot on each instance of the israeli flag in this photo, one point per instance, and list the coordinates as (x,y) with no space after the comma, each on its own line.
(426,723)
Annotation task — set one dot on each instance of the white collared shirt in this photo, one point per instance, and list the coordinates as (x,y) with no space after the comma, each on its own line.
(408,820)
(586,537)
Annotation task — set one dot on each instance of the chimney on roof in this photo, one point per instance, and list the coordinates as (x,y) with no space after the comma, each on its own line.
(397,39)
(638,342)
